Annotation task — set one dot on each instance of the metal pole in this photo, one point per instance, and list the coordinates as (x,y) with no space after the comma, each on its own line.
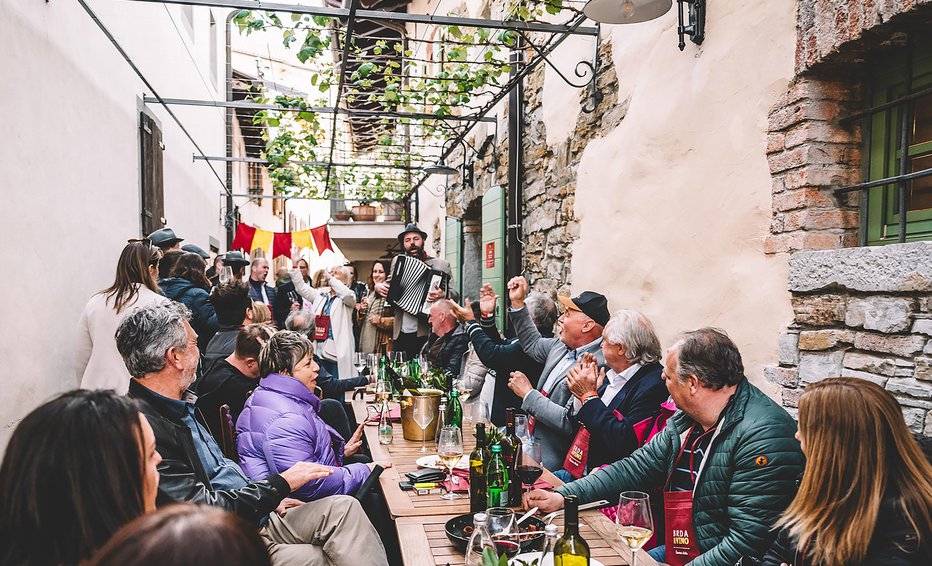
(245,105)
(904,146)
(383,16)
(309,163)
(348,36)
(515,188)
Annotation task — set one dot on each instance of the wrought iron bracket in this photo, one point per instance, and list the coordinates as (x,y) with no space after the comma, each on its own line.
(694,26)
(588,70)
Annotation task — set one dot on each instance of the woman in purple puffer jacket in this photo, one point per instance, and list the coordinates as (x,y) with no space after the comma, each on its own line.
(279,425)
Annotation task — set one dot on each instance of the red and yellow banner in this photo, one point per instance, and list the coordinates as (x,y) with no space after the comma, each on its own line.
(249,238)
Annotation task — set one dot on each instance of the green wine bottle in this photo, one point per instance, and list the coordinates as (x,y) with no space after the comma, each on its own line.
(511,454)
(478,460)
(571,549)
(496,479)
(455,410)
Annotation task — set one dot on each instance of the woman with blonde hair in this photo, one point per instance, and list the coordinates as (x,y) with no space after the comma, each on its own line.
(98,364)
(866,494)
(261,313)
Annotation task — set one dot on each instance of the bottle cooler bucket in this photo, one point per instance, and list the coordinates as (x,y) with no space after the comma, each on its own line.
(410,429)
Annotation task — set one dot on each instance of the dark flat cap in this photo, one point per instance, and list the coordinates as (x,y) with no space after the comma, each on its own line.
(191,248)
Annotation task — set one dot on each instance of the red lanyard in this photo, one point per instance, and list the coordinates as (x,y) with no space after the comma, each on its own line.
(692,454)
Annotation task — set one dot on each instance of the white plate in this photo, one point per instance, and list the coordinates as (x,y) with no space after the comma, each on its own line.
(433,461)
(529,556)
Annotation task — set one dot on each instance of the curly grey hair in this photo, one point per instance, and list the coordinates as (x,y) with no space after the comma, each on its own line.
(301,320)
(636,332)
(283,351)
(147,333)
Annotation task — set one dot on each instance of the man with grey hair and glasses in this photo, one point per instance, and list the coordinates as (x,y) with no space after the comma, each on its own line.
(610,405)
(160,350)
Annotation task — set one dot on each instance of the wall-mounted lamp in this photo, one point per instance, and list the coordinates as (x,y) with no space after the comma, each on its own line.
(637,11)
(441,167)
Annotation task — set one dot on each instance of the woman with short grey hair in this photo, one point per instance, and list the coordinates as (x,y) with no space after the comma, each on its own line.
(281,425)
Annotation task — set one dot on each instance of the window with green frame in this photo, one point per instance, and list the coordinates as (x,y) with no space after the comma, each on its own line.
(899,75)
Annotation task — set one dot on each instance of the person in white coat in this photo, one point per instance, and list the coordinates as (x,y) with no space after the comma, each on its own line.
(333,308)
(98,364)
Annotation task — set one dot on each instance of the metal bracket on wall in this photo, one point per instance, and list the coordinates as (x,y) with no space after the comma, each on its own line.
(584,70)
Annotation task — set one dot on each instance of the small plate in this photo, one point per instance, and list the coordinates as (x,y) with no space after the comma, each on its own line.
(530,556)
(433,461)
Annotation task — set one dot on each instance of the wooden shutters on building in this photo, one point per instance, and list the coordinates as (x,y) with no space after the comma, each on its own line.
(151,178)
(493,246)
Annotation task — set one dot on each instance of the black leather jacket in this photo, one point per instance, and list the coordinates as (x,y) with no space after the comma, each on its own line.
(183,477)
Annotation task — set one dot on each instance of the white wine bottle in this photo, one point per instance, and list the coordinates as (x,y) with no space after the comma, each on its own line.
(571,549)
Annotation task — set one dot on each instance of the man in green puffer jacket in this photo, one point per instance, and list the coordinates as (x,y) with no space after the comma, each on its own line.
(744,454)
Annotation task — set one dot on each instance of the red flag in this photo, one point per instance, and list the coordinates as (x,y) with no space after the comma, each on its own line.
(244,237)
(281,244)
(321,238)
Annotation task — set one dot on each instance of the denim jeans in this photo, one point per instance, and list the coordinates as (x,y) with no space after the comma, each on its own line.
(564,476)
(658,553)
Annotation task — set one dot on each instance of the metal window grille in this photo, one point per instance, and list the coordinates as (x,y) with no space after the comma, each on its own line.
(896,193)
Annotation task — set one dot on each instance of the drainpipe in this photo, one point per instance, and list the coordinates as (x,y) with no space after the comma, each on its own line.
(515,193)
(229,218)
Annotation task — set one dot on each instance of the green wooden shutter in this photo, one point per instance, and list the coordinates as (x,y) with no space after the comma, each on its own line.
(453,251)
(493,246)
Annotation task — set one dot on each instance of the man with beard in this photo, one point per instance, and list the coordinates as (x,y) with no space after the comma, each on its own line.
(410,333)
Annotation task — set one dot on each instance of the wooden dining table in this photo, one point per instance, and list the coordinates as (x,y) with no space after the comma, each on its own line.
(420,519)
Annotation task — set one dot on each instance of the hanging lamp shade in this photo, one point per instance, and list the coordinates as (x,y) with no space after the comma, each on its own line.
(440,168)
(626,11)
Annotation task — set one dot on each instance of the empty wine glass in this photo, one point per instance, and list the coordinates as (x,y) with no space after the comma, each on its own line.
(423,413)
(450,449)
(634,521)
(530,468)
(372,360)
(521,429)
(398,358)
(226,274)
(359,360)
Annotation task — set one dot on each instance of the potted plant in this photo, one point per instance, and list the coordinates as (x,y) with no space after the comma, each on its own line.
(364,212)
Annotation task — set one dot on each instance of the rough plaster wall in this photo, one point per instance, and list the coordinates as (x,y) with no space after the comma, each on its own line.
(675,202)
(70,174)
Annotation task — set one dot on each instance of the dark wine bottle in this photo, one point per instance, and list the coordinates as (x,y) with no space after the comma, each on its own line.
(571,549)
(511,453)
(455,410)
(478,460)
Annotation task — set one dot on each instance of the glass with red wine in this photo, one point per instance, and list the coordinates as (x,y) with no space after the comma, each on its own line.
(529,468)
(501,521)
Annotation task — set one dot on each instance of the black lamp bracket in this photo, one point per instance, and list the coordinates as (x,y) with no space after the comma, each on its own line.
(588,70)
(694,10)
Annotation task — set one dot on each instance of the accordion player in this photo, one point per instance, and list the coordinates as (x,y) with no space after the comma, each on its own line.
(411,281)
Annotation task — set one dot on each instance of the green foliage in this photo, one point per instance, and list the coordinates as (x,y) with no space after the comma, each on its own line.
(489,558)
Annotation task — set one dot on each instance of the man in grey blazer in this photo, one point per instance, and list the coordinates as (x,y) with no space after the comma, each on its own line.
(551,403)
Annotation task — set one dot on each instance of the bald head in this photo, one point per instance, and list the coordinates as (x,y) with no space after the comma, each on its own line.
(441,317)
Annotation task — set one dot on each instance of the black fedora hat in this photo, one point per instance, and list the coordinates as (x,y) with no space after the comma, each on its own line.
(235,259)
(412,227)
(164,237)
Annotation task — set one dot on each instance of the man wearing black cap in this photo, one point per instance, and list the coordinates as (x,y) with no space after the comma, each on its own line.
(550,405)
(165,239)
(410,332)
(192,249)
(238,262)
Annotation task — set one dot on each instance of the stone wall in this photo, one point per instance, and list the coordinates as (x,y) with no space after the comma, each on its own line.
(550,223)
(866,313)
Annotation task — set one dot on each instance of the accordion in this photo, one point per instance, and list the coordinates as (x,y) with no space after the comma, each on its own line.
(411,280)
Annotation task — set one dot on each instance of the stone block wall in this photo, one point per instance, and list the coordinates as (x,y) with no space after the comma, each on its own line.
(550,223)
(865,313)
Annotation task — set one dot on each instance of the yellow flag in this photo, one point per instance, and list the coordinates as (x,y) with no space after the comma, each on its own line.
(263,239)
(302,239)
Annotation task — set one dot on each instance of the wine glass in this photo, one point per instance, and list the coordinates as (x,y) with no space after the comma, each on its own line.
(450,449)
(530,468)
(398,358)
(383,391)
(226,273)
(423,414)
(500,521)
(359,360)
(372,360)
(634,520)
(521,429)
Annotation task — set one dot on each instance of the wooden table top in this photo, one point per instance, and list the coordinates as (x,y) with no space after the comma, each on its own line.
(420,519)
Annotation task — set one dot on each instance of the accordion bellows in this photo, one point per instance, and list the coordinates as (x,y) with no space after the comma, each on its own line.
(412,279)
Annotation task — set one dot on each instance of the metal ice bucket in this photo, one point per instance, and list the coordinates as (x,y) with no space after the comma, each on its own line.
(410,429)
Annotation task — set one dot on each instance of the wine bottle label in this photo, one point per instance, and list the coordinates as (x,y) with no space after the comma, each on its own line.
(498,498)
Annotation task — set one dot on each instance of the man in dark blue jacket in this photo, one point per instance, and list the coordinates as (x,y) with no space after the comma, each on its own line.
(611,404)
(505,356)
